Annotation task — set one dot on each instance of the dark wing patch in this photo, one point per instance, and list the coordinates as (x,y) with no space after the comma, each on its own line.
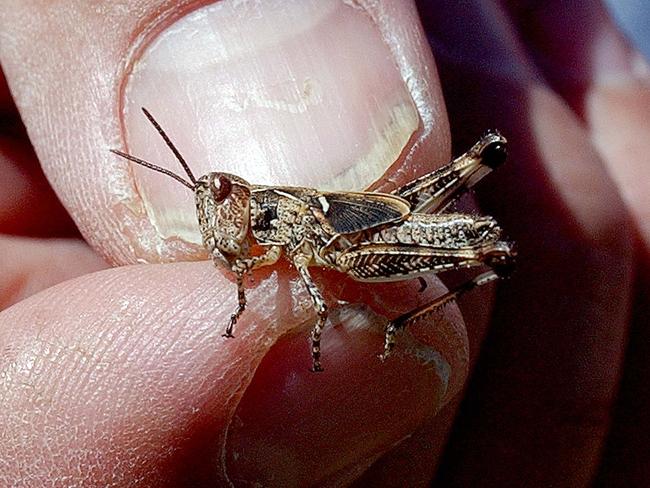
(353,212)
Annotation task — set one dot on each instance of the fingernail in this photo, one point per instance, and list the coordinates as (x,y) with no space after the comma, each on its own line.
(301,92)
(298,428)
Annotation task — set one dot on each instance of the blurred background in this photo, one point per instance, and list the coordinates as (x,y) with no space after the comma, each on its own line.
(633,16)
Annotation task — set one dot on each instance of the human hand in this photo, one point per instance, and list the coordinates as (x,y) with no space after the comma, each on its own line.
(121,375)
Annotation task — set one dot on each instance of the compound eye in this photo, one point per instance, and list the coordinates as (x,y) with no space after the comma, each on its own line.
(221,188)
(494,154)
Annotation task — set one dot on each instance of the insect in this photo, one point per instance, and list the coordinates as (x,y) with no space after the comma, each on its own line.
(369,236)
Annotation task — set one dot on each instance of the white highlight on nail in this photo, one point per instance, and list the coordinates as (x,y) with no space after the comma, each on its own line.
(402,123)
(287,99)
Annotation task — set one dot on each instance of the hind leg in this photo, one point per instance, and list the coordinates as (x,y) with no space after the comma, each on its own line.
(409,317)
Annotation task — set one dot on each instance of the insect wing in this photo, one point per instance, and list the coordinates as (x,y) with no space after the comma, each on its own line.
(349,212)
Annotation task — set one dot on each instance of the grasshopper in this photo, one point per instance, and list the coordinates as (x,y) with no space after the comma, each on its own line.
(369,236)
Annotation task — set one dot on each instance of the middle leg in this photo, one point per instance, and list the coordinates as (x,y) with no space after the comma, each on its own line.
(301,262)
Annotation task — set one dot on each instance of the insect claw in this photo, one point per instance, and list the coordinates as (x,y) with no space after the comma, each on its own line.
(228,332)
(389,341)
(316,368)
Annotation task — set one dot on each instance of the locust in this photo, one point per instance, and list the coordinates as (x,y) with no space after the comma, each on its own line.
(369,236)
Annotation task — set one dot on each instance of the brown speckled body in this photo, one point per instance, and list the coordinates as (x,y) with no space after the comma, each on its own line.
(369,236)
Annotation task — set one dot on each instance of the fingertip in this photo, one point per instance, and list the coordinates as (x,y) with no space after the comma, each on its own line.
(294,427)
(128,362)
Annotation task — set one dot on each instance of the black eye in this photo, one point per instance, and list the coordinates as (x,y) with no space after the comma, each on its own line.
(221,188)
(494,154)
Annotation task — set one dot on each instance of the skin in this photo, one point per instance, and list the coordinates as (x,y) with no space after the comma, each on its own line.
(120,376)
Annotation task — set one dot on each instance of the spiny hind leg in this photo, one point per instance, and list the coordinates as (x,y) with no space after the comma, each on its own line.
(383,262)
(301,262)
(403,320)
(434,192)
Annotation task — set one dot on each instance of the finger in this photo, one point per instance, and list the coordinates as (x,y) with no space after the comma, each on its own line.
(606,81)
(126,375)
(130,214)
(601,76)
(292,105)
(6,102)
(28,206)
(28,266)
(548,371)
(414,461)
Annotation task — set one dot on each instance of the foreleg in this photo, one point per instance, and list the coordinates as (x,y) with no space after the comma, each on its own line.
(240,267)
(241,306)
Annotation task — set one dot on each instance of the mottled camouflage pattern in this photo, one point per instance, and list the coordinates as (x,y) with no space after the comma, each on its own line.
(369,236)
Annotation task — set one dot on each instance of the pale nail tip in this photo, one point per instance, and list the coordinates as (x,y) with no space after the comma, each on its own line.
(173,223)
(640,66)
(428,356)
(611,61)
(389,145)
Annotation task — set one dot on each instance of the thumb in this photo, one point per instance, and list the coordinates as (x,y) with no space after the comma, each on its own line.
(318,93)
(315,93)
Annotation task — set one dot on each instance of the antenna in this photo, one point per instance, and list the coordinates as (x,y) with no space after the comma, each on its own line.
(152,166)
(170,144)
